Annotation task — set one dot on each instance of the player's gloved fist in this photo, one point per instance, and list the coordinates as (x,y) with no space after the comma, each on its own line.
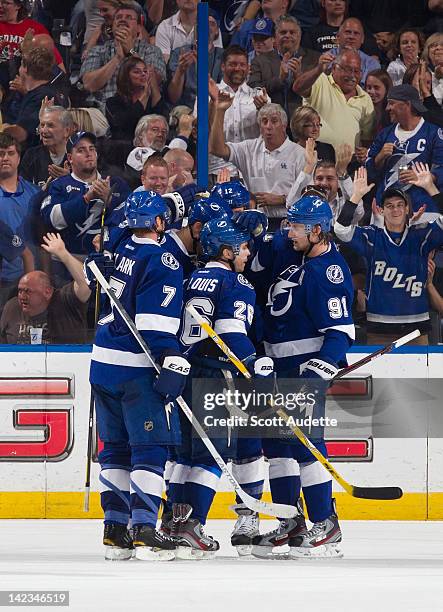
(105,264)
(253,221)
(319,368)
(172,377)
(262,367)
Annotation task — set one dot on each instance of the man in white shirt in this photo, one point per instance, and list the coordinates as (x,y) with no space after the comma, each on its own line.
(178,30)
(269,164)
(240,120)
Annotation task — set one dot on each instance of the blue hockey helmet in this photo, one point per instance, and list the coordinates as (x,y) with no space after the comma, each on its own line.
(142,209)
(310,210)
(205,209)
(233,193)
(219,233)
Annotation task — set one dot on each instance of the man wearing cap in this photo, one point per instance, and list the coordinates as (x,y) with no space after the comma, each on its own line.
(271,9)
(75,202)
(276,69)
(179,29)
(182,67)
(396,256)
(263,37)
(409,139)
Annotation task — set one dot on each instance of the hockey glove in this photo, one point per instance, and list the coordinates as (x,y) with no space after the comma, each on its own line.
(253,221)
(172,377)
(318,368)
(262,367)
(105,264)
(179,201)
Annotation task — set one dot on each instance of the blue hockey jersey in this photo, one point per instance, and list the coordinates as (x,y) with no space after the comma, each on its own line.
(308,312)
(424,144)
(149,283)
(64,210)
(226,299)
(172,243)
(397,269)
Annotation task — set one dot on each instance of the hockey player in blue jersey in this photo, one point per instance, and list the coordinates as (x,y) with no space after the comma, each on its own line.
(226,298)
(308,329)
(407,140)
(135,414)
(396,257)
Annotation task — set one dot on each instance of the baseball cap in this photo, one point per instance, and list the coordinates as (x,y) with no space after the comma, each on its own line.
(263,27)
(75,139)
(394,192)
(407,93)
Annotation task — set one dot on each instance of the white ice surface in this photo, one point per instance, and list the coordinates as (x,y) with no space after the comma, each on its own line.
(388,566)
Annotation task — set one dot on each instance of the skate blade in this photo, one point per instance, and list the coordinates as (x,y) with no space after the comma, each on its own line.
(115,553)
(324,551)
(269,552)
(146,553)
(190,554)
(244,550)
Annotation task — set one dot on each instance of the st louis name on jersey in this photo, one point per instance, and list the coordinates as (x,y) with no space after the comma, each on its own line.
(424,144)
(149,283)
(397,268)
(308,312)
(226,299)
(65,210)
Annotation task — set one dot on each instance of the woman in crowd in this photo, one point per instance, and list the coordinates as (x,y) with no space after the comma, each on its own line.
(378,83)
(420,76)
(306,123)
(408,46)
(433,55)
(137,94)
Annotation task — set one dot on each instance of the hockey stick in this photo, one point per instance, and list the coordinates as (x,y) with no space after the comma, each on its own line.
(91,396)
(269,508)
(361,492)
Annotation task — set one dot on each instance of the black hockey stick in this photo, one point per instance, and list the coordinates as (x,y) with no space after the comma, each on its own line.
(269,508)
(361,492)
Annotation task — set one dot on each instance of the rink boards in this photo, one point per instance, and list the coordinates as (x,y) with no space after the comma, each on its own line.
(44,406)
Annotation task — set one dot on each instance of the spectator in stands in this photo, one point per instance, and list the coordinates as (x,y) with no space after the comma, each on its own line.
(36,72)
(322,37)
(14,25)
(74,203)
(346,110)
(269,164)
(263,37)
(155,174)
(178,30)
(15,196)
(351,36)
(41,314)
(240,119)
(277,69)
(48,159)
(385,43)
(397,262)
(435,298)
(137,94)
(272,9)
(102,33)
(182,85)
(99,70)
(420,77)
(408,46)
(306,124)
(378,83)
(433,55)
(408,139)
(12,245)
(180,166)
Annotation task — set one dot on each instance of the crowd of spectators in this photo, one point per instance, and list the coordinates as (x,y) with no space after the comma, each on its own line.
(99,97)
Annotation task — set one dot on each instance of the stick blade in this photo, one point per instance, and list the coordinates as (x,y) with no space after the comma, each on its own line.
(377,492)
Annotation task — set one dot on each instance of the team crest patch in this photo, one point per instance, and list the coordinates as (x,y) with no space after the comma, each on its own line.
(149,425)
(244,281)
(16,241)
(260,24)
(335,274)
(169,261)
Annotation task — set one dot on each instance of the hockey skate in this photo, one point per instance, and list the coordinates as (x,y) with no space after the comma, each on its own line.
(117,541)
(264,546)
(151,545)
(322,540)
(245,529)
(166,524)
(192,542)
